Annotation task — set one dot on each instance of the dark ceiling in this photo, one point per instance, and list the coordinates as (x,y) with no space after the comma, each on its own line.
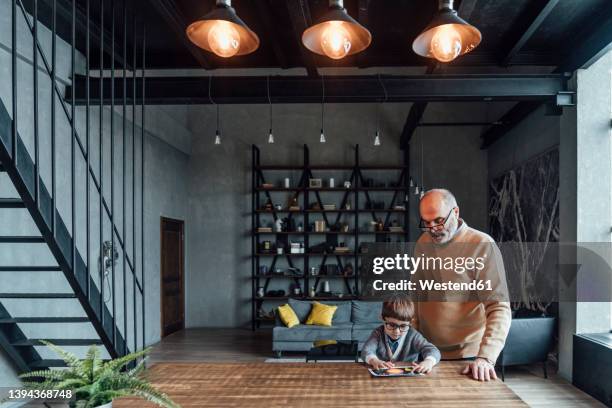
(515,32)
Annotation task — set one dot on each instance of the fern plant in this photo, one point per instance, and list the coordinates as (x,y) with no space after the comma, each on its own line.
(96,382)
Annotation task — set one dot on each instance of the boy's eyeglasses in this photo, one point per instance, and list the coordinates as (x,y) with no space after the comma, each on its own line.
(393,326)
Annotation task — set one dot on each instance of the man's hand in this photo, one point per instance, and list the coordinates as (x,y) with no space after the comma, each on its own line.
(424,366)
(377,364)
(480,369)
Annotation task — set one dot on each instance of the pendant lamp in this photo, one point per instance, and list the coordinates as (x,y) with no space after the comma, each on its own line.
(222,32)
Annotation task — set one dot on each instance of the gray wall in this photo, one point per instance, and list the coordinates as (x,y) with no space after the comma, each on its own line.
(218,286)
(165,192)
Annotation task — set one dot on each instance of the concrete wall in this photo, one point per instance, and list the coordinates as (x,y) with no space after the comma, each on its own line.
(165,192)
(218,284)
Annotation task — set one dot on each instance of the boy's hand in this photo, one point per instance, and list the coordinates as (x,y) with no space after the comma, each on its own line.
(378,364)
(424,366)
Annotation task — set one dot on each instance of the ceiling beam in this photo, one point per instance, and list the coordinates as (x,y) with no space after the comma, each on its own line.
(338,89)
(299,14)
(466,7)
(364,19)
(417,110)
(272,35)
(524,28)
(586,48)
(169,11)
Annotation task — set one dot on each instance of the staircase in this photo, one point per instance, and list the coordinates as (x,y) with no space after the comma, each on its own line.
(13,338)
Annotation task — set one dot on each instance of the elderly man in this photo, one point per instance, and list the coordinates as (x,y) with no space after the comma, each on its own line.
(472,326)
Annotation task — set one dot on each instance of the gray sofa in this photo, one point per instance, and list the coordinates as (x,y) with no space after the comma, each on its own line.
(353,320)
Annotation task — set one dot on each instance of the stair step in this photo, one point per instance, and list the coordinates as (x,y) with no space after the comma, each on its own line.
(57,342)
(37,295)
(46,363)
(30,269)
(22,240)
(44,320)
(11,203)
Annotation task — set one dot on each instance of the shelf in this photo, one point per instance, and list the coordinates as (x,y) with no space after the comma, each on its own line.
(277,276)
(309,254)
(339,210)
(285,298)
(306,233)
(303,276)
(333,189)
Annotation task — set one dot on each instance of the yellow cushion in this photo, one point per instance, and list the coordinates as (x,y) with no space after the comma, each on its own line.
(321,314)
(288,316)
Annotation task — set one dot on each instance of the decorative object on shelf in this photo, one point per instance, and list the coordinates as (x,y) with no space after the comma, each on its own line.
(279,250)
(314,271)
(347,184)
(312,292)
(300,227)
(336,34)
(278,225)
(266,246)
(293,204)
(264,229)
(263,270)
(287,182)
(380,226)
(278,207)
(329,207)
(278,271)
(320,226)
(399,207)
(332,182)
(315,183)
(326,286)
(447,36)
(347,205)
(348,269)
(222,32)
(267,185)
(260,291)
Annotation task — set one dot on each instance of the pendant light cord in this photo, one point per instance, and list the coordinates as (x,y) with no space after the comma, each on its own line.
(322,100)
(382,85)
(211,99)
(269,100)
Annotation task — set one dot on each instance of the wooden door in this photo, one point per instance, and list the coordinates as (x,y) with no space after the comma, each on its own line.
(172,276)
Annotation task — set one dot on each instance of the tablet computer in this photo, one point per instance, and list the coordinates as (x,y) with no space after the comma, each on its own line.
(394,372)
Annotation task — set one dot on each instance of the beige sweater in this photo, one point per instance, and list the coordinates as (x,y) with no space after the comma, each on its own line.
(471,324)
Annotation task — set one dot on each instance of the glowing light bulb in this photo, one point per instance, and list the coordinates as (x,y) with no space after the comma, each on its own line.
(217,138)
(377,139)
(224,39)
(335,40)
(322,139)
(270,137)
(446,43)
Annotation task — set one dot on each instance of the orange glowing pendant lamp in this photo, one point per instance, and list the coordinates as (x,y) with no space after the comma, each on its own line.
(222,32)
(447,36)
(336,34)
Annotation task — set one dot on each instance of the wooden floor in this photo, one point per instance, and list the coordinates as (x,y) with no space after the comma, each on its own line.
(245,346)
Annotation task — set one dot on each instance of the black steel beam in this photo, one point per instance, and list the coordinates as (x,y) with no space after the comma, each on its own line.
(465,9)
(170,12)
(364,19)
(271,33)
(299,14)
(586,48)
(340,89)
(524,28)
(417,110)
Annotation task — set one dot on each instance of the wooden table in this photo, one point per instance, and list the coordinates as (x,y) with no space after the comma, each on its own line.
(319,385)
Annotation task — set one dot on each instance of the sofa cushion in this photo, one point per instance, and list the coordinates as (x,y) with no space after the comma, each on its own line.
(304,332)
(366,312)
(301,308)
(343,313)
(321,315)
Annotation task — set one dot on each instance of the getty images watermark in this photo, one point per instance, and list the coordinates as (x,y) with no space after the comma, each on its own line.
(509,271)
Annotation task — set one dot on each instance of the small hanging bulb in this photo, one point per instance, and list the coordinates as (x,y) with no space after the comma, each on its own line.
(377,139)
(422,193)
(411,182)
(270,137)
(322,139)
(217,138)
(406,198)
(416,190)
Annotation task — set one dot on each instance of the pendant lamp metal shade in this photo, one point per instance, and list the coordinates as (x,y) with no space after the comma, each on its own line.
(453,35)
(336,34)
(222,32)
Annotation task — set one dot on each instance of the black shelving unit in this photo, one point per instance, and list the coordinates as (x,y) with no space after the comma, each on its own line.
(263,191)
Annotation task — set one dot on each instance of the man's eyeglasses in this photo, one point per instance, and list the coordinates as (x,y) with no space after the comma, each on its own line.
(393,326)
(438,222)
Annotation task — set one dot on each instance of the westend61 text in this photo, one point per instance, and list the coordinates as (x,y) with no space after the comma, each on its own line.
(432,285)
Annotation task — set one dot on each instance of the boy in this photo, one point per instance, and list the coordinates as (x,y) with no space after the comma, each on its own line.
(396,341)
